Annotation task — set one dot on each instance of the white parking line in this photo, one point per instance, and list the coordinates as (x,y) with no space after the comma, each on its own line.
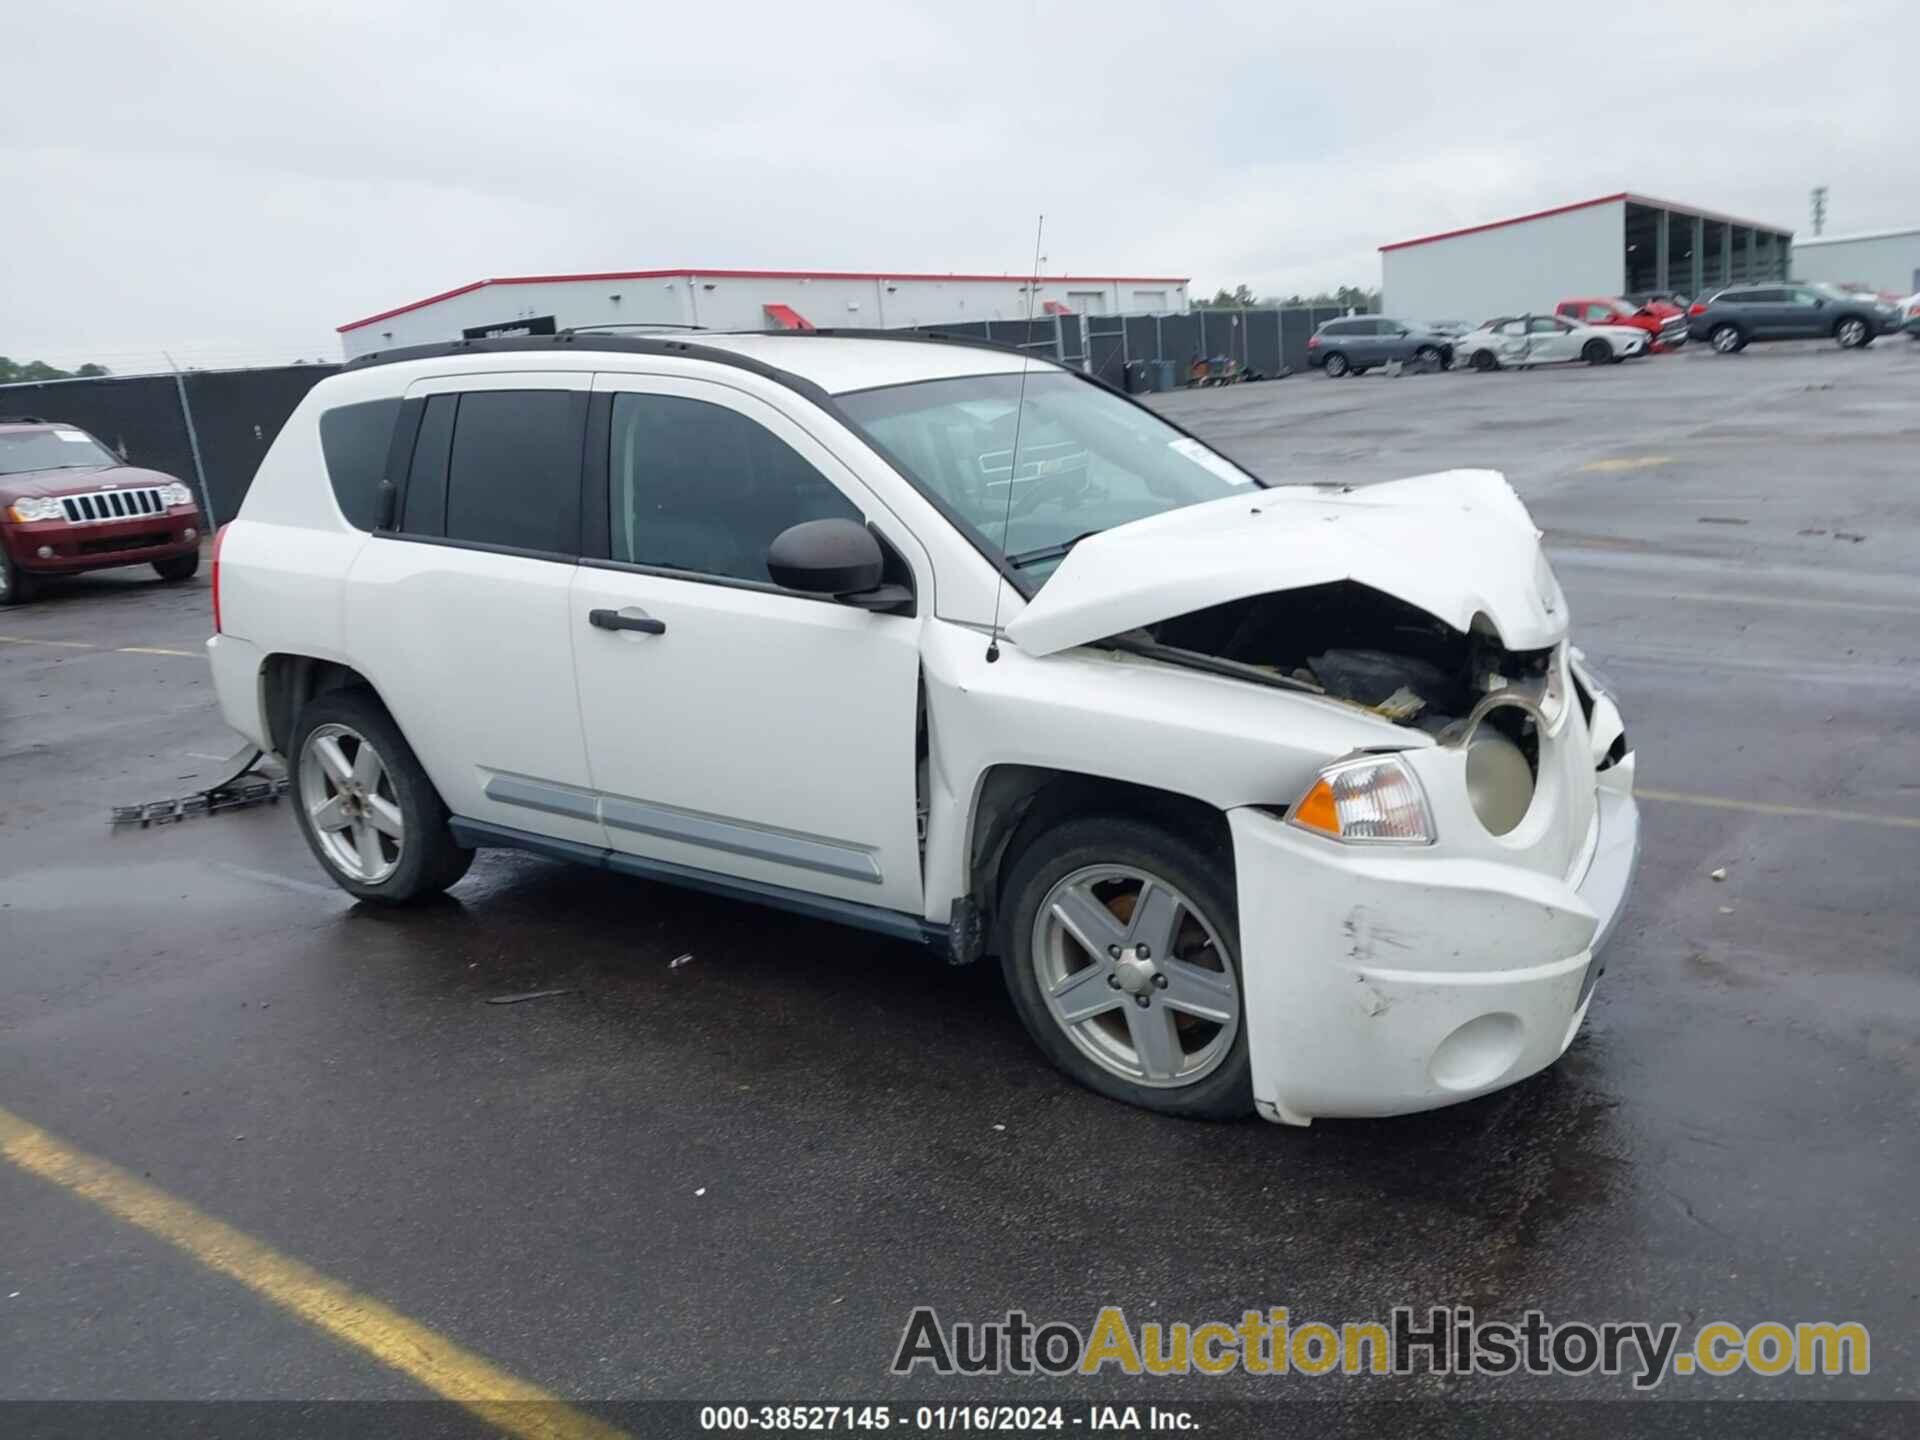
(1765,807)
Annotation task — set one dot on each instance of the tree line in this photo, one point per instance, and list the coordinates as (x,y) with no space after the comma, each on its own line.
(15,372)
(1241,297)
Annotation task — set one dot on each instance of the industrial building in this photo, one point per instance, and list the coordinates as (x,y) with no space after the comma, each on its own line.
(751,300)
(1614,245)
(1881,260)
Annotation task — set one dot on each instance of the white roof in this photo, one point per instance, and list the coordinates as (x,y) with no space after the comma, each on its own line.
(838,364)
(1813,240)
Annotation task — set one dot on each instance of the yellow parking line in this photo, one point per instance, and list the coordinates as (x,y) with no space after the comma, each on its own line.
(499,1399)
(62,644)
(117,650)
(1764,807)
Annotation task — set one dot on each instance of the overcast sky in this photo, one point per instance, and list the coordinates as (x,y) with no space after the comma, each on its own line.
(231,179)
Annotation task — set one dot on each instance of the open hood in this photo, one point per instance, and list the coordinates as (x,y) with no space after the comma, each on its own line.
(1456,544)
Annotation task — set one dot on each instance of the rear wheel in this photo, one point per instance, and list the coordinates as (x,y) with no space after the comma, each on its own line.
(16,586)
(1852,333)
(1727,339)
(1336,365)
(370,814)
(180,567)
(1597,352)
(1121,953)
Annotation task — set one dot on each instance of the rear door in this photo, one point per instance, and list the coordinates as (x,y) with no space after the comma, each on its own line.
(458,613)
(1551,340)
(749,731)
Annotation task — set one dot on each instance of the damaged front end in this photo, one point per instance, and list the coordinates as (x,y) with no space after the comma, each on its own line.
(1360,647)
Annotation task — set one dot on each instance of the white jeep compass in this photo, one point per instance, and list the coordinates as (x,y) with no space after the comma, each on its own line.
(1286,798)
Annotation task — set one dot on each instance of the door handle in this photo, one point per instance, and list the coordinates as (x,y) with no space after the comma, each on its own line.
(614,620)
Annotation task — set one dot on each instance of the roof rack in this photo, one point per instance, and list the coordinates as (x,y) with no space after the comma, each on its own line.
(656,345)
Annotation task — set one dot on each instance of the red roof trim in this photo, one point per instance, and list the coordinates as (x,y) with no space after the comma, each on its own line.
(1626,195)
(1501,224)
(688,274)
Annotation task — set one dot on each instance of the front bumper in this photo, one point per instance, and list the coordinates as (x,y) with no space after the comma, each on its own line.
(99,545)
(1381,982)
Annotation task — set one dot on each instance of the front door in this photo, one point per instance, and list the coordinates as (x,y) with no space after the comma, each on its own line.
(742,729)
(1551,340)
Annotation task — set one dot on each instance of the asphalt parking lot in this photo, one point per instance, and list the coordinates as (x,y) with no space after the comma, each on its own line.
(734,1177)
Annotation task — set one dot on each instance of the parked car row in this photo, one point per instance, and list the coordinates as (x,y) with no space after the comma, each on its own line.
(1601,330)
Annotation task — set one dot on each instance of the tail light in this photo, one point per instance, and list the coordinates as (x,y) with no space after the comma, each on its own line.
(1697,308)
(1313,342)
(219,537)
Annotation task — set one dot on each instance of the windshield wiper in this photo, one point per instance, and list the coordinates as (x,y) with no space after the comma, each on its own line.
(1043,553)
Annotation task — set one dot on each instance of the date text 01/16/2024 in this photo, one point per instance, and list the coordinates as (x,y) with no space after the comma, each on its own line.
(948,1419)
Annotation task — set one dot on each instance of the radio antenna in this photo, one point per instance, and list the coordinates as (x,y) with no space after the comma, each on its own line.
(1013,461)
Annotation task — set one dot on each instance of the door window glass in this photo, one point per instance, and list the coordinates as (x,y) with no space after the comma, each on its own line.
(698,487)
(513,470)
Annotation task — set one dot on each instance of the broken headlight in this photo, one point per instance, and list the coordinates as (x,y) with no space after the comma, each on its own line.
(1369,800)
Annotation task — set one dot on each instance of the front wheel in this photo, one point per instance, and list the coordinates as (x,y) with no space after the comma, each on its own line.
(1483,361)
(1597,352)
(1120,949)
(16,586)
(1852,333)
(180,567)
(370,814)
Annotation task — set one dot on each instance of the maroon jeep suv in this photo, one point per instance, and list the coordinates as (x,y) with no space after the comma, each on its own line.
(68,503)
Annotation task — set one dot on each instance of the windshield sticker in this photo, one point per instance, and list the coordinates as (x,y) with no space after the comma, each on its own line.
(1207,460)
(72,435)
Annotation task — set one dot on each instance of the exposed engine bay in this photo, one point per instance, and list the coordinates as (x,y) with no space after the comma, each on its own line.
(1356,644)
(1352,643)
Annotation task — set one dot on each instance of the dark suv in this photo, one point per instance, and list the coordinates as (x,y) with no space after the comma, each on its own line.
(68,503)
(1790,311)
(1356,344)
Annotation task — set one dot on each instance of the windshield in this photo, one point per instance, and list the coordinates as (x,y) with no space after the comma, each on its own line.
(24,450)
(1088,460)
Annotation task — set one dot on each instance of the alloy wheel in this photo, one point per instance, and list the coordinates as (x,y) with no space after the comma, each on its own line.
(1135,975)
(349,799)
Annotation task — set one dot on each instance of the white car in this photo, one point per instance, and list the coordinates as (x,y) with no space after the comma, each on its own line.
(1289,798)
(1520,341)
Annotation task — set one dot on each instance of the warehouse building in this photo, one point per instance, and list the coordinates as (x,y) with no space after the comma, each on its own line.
(1883,260)
(1615,245)
(751,300)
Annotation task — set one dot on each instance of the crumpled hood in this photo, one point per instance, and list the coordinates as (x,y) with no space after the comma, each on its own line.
(1456,544)
(27,483)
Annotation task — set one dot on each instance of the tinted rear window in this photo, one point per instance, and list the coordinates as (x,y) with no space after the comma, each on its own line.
(354,440)
(513,477)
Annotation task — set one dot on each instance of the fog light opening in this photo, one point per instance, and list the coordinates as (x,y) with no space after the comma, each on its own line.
(1478,1053)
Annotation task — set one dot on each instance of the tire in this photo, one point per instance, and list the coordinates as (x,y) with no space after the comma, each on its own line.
(180,567)
(1597,352)
(1484,362)
(1853,333)
(1727,339)
(17,587)
(1427,355)
(423,859)
(1140,1048)
(1335,365)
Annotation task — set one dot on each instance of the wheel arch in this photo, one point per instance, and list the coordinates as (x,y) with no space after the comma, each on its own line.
(1012,802)
(289,681)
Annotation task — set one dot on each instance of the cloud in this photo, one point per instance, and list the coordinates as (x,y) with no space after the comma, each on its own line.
(232,180)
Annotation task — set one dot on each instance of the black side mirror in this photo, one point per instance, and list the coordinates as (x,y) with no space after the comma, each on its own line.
(841,558)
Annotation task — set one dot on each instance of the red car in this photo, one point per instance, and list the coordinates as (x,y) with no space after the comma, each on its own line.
(1665,324)
(68,503)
